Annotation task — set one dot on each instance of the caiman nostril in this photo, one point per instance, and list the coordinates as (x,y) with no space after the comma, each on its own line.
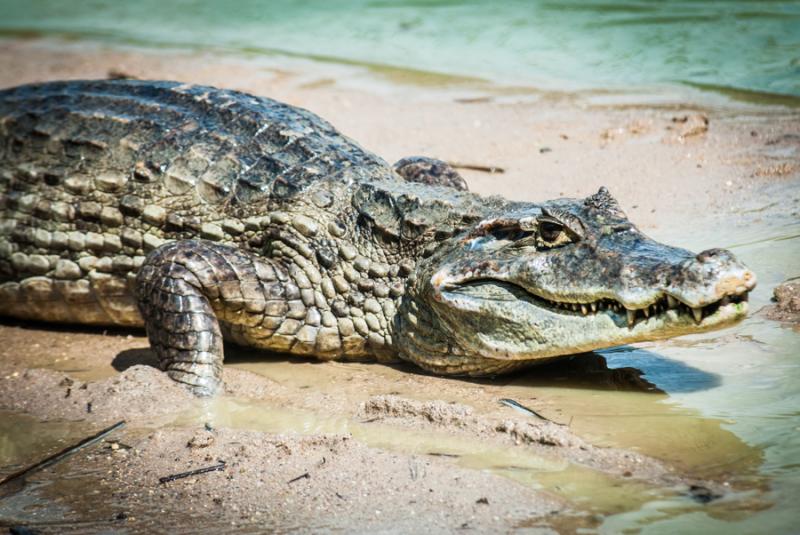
(711,254)
(715,255)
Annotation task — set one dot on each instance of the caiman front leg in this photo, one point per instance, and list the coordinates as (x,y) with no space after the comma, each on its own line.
(187,290)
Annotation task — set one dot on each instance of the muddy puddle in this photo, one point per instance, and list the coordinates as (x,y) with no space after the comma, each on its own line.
(722,406)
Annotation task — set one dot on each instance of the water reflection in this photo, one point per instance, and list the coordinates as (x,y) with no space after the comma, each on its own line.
(588,371)
(666,374)
(624,368)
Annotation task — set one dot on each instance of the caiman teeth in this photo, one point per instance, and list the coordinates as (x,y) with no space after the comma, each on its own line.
(660,306)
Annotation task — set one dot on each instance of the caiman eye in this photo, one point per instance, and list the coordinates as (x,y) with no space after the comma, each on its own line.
(549,231)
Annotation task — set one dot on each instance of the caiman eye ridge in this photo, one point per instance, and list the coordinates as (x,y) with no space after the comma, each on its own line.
(660,306)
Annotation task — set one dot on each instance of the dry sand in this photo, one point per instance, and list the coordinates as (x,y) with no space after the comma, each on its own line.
(662,161)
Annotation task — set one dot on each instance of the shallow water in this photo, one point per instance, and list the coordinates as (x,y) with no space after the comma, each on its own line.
(757,398)
(745,48)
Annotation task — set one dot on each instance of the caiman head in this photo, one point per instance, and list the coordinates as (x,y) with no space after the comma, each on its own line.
(564,277)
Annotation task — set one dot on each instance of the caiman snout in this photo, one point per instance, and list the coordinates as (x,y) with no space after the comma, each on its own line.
(713,275)
(734,276)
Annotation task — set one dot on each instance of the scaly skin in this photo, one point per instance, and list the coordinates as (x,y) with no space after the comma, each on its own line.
(205,215)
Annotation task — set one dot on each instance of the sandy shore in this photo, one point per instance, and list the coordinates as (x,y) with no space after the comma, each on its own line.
(663,162)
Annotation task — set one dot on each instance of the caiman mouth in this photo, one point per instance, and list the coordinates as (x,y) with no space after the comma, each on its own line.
(661,307)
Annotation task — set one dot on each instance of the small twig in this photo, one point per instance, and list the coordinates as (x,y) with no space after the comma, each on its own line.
(63,454)
(440,454)
(475,167)
(190,473)
(522,408)
(473,100)
(298,478)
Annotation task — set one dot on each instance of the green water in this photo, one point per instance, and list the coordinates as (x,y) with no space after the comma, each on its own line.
(747,377)
(572,45)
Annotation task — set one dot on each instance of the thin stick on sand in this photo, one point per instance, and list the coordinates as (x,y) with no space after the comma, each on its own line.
(525,410)
(190,473)
(475,167)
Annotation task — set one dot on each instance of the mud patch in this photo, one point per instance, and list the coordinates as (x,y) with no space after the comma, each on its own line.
(786,297)
(544,438)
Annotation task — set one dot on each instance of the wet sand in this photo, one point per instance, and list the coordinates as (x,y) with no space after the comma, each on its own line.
(397,461)
(389,448)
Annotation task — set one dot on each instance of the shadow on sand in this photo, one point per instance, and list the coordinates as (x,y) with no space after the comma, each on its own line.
(623,368)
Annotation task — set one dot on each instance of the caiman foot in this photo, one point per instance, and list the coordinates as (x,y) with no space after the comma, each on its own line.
(173,297)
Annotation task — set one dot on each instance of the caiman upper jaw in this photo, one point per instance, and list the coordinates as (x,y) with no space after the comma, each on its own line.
(691,296)
(699,302)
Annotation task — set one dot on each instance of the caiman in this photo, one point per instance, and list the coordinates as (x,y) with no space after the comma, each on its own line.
(208,215)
